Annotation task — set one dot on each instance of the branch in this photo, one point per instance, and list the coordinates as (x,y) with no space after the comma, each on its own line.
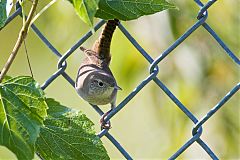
(43,10)
(22,35)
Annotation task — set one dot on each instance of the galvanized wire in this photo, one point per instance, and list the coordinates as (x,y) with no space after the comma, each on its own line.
(153,69)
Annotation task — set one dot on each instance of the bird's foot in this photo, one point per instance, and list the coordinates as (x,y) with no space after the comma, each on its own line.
(105,125)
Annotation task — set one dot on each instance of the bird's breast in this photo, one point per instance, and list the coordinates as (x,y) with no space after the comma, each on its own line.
(96,96)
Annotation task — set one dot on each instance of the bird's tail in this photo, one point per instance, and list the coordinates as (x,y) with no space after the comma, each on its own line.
(102,45)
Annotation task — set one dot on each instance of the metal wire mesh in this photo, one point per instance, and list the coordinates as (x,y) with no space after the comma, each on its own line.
(197,128)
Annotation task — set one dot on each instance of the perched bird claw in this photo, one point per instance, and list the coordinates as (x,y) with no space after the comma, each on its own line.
(105,125)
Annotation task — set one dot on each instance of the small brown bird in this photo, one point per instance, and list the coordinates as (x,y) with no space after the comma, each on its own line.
(95,82)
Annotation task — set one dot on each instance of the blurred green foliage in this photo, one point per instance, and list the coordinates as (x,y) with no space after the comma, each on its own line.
(198,72)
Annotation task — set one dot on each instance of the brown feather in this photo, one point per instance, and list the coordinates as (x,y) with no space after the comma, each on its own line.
(102,45)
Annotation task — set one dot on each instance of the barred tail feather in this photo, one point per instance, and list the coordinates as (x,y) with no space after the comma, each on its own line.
(102,45)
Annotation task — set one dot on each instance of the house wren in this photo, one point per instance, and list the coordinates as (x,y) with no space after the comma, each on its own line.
(95,82)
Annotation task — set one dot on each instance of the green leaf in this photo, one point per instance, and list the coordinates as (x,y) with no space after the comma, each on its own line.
(71,1)
(86,9)
(22,112)
(68,134)
(6,78)
(130,9)
(5,8)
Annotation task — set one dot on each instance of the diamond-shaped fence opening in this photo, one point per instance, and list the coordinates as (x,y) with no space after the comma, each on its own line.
(153,72)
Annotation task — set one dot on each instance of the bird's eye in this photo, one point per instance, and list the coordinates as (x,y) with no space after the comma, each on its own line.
(100,84)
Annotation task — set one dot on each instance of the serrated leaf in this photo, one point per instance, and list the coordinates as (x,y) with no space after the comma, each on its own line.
(22,111)
(86,9)
(6,78)
(5,8)
(130,9)
(68,134)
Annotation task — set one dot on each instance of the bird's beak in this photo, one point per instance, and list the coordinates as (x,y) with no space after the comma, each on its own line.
(117,87)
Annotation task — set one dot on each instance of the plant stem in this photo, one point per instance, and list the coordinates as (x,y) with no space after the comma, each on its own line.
(43,10)
(22,35)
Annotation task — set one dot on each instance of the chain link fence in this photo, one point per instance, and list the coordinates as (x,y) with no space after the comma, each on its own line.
(153,72)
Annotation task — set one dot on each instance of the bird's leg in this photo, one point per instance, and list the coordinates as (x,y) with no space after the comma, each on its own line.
(107,125)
